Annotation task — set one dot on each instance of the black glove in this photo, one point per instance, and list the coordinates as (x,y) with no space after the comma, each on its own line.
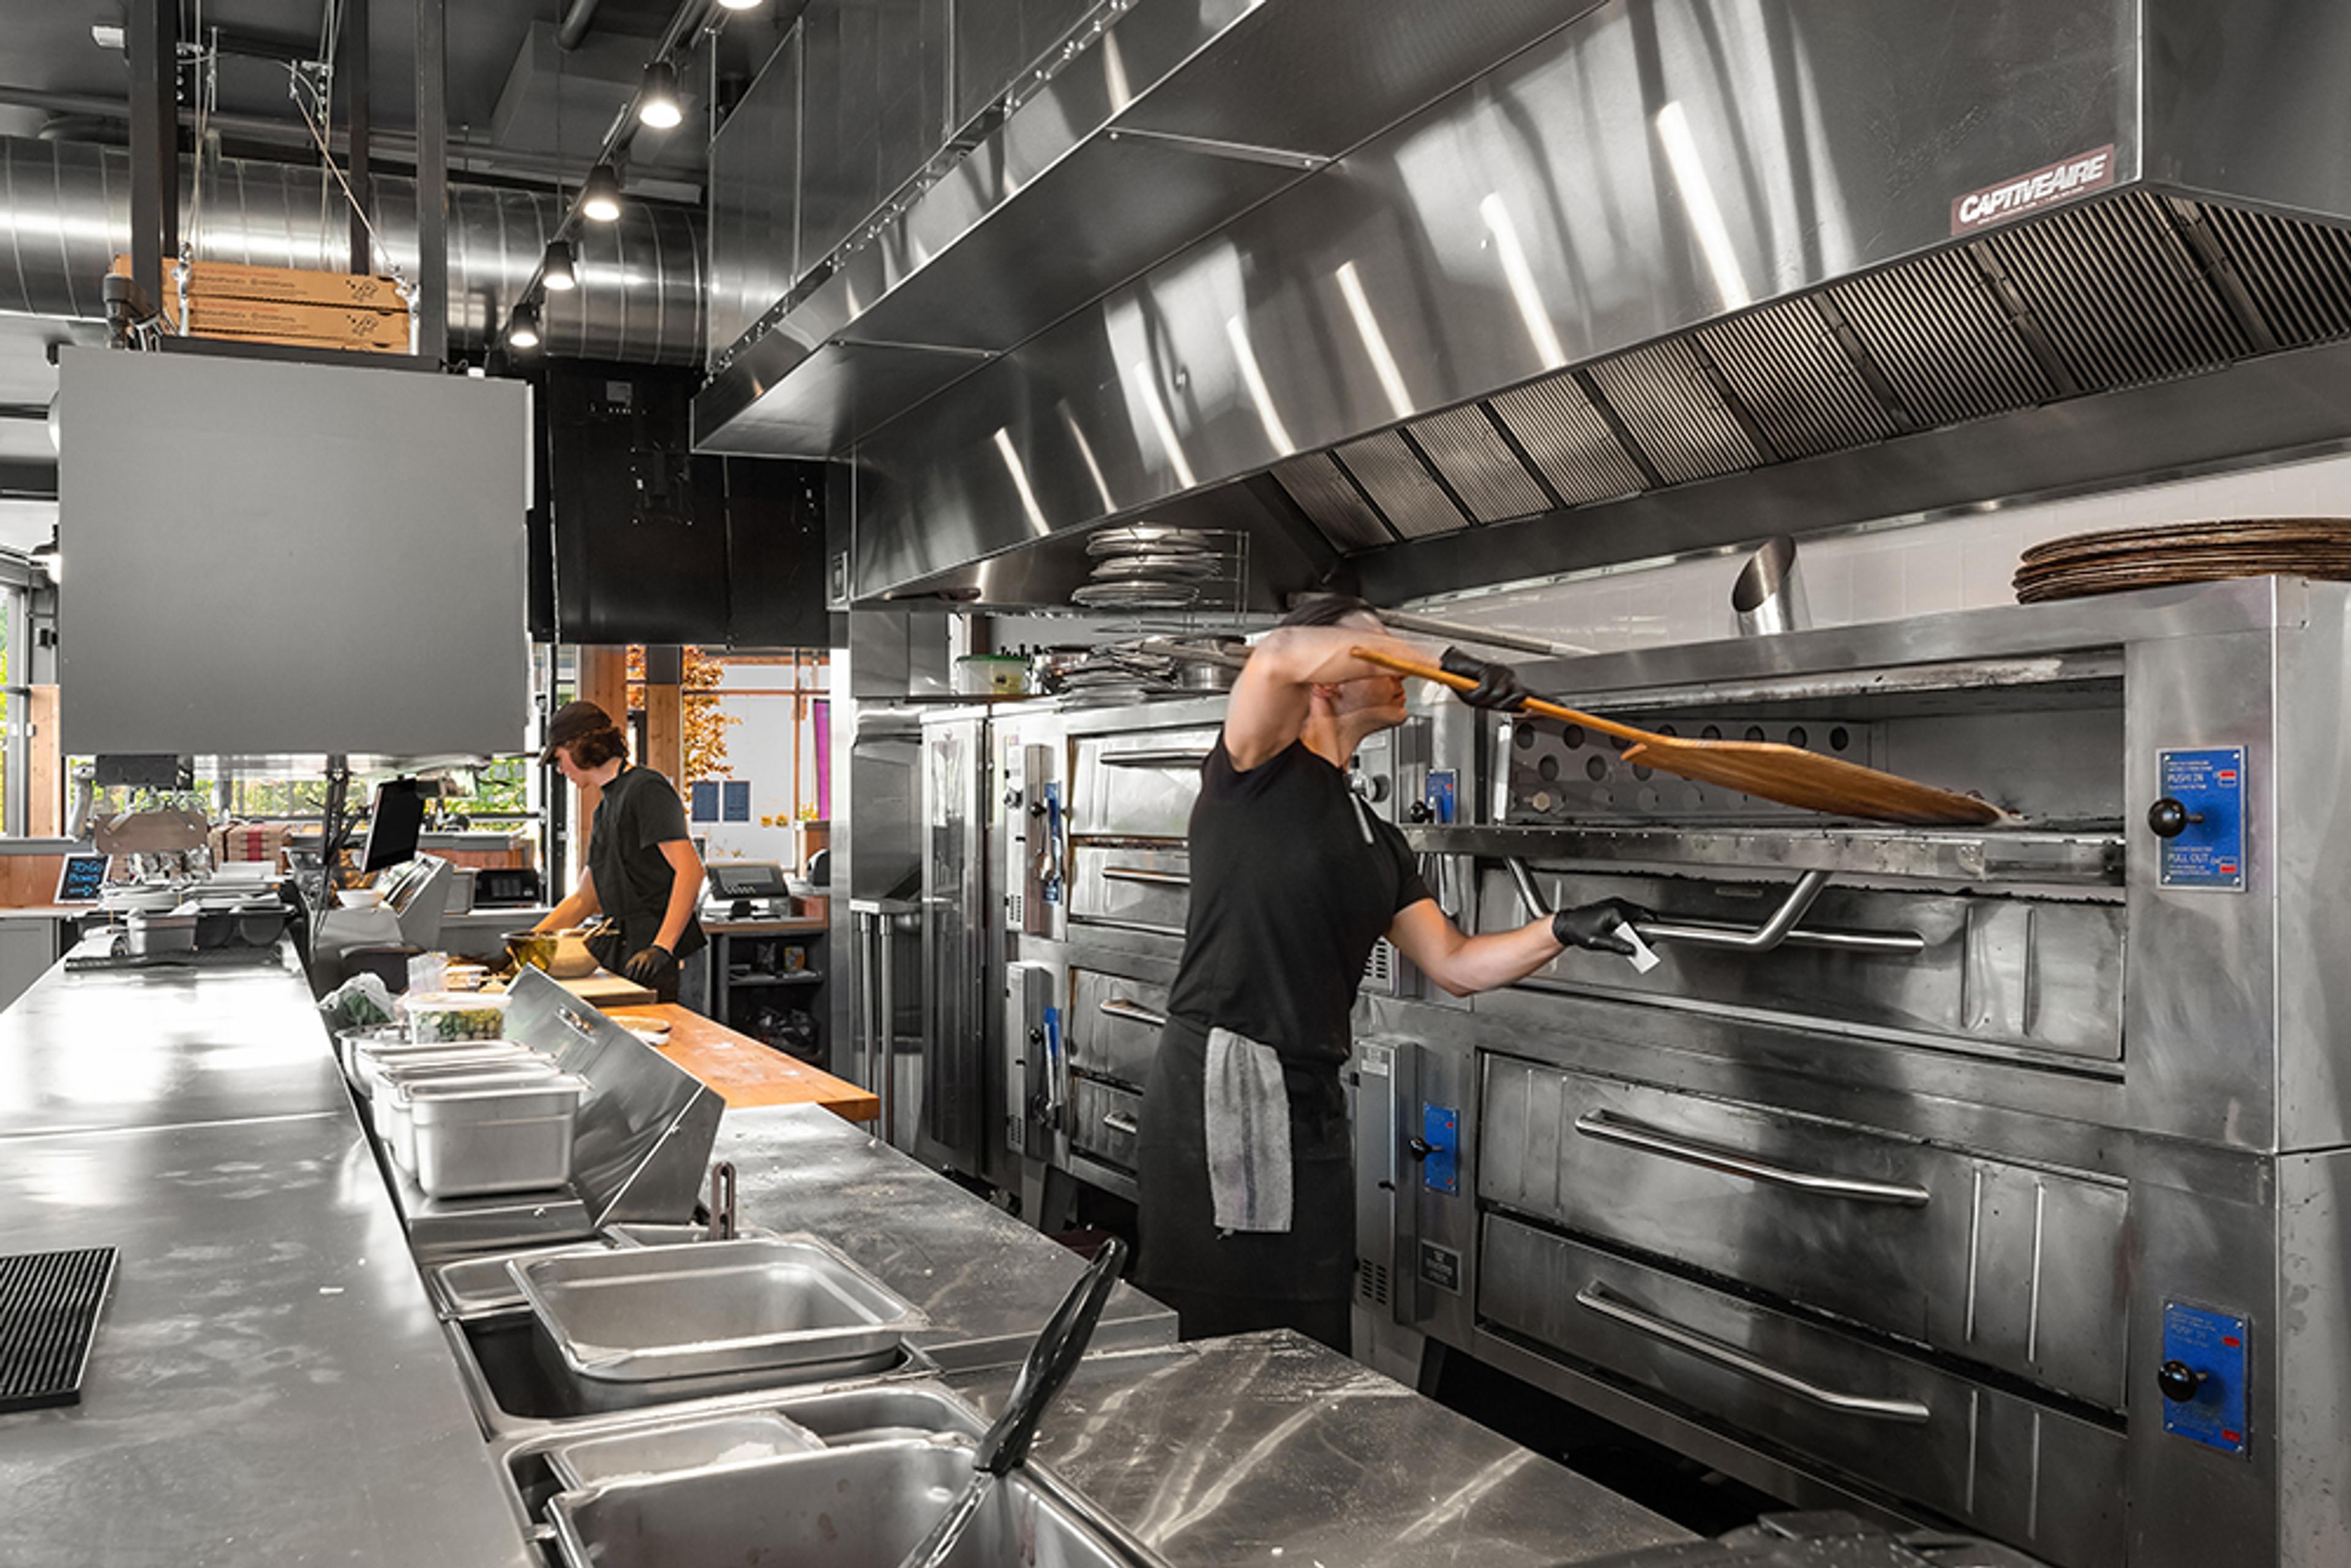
(1593,927)
(1498,685)
(650,965)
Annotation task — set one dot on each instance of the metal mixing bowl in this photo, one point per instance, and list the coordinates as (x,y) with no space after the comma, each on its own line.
(562,954)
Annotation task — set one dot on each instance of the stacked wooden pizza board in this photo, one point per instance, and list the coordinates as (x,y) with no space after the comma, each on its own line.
(2121,560)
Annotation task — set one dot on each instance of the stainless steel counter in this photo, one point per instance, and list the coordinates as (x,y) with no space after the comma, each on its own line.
(1270,1448)
(268,1384)
(988,1281)
(163,1048)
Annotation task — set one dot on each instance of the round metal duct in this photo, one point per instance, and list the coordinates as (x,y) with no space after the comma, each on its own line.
(641,290)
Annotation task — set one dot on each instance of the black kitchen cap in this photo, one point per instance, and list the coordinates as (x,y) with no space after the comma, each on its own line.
(573,721)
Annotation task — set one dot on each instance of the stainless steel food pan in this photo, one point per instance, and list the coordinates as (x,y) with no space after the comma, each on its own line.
(153,934)
(349,1042)
(480,1286)
(748,1437)
(784,1304)
(883,1413)
(388,1110)
(483,1286)
(842,1508)
(374,1059)
(477,1136)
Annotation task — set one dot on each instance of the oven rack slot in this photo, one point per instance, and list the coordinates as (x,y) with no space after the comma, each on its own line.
(2087,856)
(2068,679)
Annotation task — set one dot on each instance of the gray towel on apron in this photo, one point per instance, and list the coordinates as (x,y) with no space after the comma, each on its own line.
(1247,1114)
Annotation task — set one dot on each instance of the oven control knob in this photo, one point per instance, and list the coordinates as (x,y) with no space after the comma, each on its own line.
(1419,811)
(2168,819)
(2178,1381)
(1419,1148)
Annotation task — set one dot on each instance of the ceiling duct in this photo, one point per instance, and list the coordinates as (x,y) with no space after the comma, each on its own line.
(1780,236)
(642,287)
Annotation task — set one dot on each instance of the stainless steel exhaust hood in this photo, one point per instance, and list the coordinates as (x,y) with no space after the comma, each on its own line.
(1667,242)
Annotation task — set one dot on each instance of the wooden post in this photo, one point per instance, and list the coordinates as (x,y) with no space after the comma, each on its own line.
(604,681)
(45,798)
(666,714)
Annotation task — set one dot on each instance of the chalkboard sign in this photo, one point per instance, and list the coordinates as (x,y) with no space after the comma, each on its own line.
(82,879)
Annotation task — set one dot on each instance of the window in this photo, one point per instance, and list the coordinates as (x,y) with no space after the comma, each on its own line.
(31,789)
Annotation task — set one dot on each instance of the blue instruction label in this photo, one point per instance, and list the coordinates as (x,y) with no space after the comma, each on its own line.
(1442,783)
(2211,1345)
(2210,853)
(1440,1129)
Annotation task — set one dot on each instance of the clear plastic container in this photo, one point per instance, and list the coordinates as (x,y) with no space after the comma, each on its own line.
(436,1017)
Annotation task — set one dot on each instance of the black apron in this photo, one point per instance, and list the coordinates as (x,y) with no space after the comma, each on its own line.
(1219,1283)
(633,878)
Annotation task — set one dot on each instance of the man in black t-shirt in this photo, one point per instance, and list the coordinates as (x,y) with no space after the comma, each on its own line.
(1244,1159)
(643,874)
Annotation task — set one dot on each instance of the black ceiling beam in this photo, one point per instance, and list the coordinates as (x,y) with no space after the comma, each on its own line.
(433,178)
(359,109)
(151,38)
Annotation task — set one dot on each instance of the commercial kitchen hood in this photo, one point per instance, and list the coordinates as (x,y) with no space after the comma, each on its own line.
(1664,267)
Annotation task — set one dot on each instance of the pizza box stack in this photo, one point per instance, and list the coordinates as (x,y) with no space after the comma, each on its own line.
(286,306)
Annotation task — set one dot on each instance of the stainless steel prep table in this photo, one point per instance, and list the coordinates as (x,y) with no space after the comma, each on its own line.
(986,1280)
(1271,1448)
(268,1382)
(163,1048)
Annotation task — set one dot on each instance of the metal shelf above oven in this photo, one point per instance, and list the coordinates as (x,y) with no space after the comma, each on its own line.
(2089,856)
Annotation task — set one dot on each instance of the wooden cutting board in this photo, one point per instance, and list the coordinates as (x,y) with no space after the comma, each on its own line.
(607,989)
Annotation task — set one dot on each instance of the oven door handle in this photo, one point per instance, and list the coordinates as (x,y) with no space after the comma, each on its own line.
(1132,1012)
(1609,1127)
(1117,923)
(1146,875)
(1779,928)
(1596,1297)
(1121,1122)
(1162,758)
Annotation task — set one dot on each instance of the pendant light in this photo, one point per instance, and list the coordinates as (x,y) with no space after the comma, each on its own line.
(657,103)
(601,198)
(739,5)
(522,332)
(555,269)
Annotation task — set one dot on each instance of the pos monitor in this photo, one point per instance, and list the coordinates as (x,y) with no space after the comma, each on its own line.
(394,825)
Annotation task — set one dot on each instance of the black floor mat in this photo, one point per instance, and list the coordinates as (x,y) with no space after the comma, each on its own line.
(48,1310)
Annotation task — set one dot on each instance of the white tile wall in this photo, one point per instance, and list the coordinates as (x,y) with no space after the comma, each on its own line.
(1958,563)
